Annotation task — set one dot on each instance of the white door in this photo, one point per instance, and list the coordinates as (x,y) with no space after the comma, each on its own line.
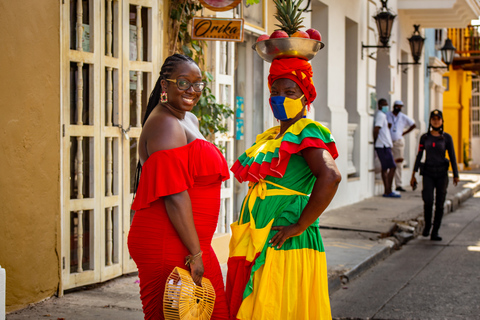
(224,55)
(107,69)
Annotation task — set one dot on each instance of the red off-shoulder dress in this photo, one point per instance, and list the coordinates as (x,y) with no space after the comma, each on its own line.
(198,167)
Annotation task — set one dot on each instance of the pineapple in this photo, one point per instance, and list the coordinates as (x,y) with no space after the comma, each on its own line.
(288,15)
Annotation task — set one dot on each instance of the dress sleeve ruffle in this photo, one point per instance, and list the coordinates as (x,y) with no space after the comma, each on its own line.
(270,156)
(172,171)
(164,173)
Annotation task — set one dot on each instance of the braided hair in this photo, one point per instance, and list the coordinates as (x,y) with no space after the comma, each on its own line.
(168,67)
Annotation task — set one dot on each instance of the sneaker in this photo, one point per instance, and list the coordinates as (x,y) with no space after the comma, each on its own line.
(392,195)
(400,189)
(435,237)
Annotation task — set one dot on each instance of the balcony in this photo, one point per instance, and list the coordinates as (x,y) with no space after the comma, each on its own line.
(440,13)
(467,43)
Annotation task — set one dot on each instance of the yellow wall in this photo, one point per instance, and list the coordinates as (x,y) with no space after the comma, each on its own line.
(456,109)
(30,149)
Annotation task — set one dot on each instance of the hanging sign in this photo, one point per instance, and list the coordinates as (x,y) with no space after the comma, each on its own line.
(225,29)
(220,5)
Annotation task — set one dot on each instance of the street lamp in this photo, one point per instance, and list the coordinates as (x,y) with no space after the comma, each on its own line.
(448,52)
(384,20)
(416,46)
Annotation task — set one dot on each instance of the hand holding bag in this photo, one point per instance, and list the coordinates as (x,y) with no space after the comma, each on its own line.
(184,300)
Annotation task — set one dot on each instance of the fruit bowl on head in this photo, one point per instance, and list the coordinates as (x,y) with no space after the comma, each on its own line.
(292,47)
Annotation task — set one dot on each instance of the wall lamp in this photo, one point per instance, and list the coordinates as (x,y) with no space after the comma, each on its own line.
(416,46)
(448,53)
(384,20)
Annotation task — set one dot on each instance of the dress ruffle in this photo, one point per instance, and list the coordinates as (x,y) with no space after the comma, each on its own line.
(270,156)
(179,168)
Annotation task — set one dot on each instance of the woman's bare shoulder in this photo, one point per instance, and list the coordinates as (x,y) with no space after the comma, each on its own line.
(162,131)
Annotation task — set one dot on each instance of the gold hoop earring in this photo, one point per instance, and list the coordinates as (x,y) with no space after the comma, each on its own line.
(163,97)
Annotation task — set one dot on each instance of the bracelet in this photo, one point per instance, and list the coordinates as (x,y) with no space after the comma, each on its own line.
(190,259)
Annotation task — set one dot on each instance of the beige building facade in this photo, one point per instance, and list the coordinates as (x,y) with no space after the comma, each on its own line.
(30,158)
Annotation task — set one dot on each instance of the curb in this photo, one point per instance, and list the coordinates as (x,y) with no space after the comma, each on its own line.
(391,244)
(335,283)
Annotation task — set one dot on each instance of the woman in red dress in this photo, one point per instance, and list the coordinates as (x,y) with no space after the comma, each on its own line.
(177,198)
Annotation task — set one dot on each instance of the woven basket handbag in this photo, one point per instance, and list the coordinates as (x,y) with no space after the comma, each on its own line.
(184,300)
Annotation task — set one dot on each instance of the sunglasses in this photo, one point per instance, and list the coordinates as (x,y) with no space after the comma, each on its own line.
(183,84)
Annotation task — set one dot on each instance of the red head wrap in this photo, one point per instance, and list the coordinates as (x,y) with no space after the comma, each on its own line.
(297,70)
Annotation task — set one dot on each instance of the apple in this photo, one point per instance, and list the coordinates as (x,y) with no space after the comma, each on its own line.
(301,34)
(314,34)
(263,37)
(279,34)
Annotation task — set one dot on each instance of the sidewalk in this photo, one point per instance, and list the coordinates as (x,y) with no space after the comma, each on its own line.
(355,237)
(359,235)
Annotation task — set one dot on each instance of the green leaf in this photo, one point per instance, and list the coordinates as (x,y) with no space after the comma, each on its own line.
(194,46)
(209,75)
(186,50)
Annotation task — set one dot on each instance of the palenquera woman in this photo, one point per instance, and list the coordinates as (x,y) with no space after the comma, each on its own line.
(277,266)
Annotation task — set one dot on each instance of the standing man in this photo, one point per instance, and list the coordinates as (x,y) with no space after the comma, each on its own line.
(383,148)
(397,122)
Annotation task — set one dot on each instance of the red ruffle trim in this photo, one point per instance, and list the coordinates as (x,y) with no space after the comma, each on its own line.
(278,165)
(172,171)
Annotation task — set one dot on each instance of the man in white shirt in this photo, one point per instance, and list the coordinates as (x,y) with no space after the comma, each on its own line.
(397,122)
(383,148)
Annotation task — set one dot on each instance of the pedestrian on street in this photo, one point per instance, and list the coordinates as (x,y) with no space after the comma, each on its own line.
(383,148)
(397,122)
(435,143)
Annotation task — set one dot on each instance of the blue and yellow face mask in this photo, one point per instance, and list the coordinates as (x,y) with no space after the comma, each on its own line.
(285,108)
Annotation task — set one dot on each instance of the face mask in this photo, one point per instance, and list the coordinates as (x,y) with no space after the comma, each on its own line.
(437,128)
(397,109)
(285,108)
(385,109)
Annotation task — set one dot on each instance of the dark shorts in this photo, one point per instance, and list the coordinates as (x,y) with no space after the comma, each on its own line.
(385,156)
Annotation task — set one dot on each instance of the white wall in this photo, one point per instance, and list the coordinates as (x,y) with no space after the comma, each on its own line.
(330,77)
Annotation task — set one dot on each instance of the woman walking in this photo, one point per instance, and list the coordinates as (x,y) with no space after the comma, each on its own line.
(435,143)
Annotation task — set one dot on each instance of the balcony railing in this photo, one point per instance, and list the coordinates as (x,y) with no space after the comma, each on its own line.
(466,40)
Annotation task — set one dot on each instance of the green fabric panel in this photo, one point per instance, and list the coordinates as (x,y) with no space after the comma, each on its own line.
(285,210)
(311,130)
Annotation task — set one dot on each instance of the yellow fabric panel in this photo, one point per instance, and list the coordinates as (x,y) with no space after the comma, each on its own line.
(292,284)
(246,240)
(264,146)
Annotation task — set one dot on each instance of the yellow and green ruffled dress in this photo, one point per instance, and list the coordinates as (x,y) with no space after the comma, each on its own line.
(264,282)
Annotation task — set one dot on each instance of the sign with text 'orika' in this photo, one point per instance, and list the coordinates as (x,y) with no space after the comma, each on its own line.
(224,29)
